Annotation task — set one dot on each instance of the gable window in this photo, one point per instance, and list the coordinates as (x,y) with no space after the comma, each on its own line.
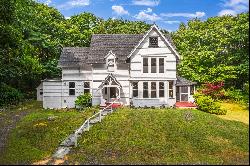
(135,89)
(86,87)
(161,89)
(153,41)
(145,65)
(111,65)
(72,88)
(161,65)
(153,89)
(153,65)
(145,89)
(171,89)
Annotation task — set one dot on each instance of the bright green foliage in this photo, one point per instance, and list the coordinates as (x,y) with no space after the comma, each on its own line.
(237,95)
(84,100)
(32,36)
(215,50)
(205,103)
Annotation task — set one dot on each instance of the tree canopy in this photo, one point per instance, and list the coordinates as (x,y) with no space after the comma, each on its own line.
(215,50)
(32,36)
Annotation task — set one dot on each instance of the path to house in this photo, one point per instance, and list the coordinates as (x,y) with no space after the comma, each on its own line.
(8,121)
(59,157)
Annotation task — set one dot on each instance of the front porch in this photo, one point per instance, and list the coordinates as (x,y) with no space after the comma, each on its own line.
(110,92)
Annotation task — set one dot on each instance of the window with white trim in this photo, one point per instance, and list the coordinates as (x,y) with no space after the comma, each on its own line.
(161,89)
(72,88)
(171,89)
(153,89)
(161,65)
(145,65)
(111,65)
(153,65)
(135,89)
(86,87)
(145,90)
(153,41)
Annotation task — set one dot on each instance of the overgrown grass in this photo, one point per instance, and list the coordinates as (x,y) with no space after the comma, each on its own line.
(235,111)
(163,136)
(36,137)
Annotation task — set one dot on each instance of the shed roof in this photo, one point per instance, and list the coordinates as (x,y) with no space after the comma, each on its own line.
(184,82)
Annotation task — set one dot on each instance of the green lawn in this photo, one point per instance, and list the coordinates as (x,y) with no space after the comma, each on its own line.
(36,137)
(163,136)
(130,136)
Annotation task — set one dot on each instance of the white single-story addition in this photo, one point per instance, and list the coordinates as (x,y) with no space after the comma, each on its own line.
(134,69)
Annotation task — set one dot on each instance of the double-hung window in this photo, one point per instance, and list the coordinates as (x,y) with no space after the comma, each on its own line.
(145,65)
(171,89)
(153,65)
(72,88)
(161,89)
(153,89)
(161,65)
(86,87)
(145,89)
(135,89)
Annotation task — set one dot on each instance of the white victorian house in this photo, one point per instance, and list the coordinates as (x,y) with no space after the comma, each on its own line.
(132,69)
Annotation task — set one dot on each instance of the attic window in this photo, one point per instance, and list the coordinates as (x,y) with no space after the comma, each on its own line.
(153,41)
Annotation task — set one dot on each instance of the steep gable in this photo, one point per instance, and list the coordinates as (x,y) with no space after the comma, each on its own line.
(166,39)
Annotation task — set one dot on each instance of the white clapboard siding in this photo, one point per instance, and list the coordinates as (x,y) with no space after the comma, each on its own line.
(52,94)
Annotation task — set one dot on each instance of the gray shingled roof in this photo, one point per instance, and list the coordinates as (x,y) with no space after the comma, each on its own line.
(73,56)
(183,82)
(120,44)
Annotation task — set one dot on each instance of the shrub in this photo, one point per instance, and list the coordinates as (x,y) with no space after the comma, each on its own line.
(236,95)
(207,104)
(9,95)
(84,100)
(215,90)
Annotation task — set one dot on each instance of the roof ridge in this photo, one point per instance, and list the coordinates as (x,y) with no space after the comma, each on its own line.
(117,34)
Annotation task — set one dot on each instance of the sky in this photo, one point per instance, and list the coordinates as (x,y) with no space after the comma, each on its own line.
(167,14)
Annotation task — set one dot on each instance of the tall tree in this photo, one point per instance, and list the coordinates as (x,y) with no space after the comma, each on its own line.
(215,50)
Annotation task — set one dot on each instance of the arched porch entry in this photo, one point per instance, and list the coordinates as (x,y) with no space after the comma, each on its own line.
(110,88)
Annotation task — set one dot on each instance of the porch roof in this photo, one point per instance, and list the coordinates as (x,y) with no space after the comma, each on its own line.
(184,82)
(110,78)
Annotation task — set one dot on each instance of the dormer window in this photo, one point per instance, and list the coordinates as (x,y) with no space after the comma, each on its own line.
(153,41)
(111,65)
(110,61)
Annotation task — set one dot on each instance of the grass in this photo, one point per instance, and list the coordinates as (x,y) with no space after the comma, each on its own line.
(36,137)
(236,112)
(163,136)
(131,136)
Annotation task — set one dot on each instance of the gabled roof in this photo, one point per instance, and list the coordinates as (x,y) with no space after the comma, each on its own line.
(167,40)
(73,56)
(109,79)
(120,44)
(183,81)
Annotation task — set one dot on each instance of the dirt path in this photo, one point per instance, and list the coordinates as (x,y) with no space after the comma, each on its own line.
(8,121)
